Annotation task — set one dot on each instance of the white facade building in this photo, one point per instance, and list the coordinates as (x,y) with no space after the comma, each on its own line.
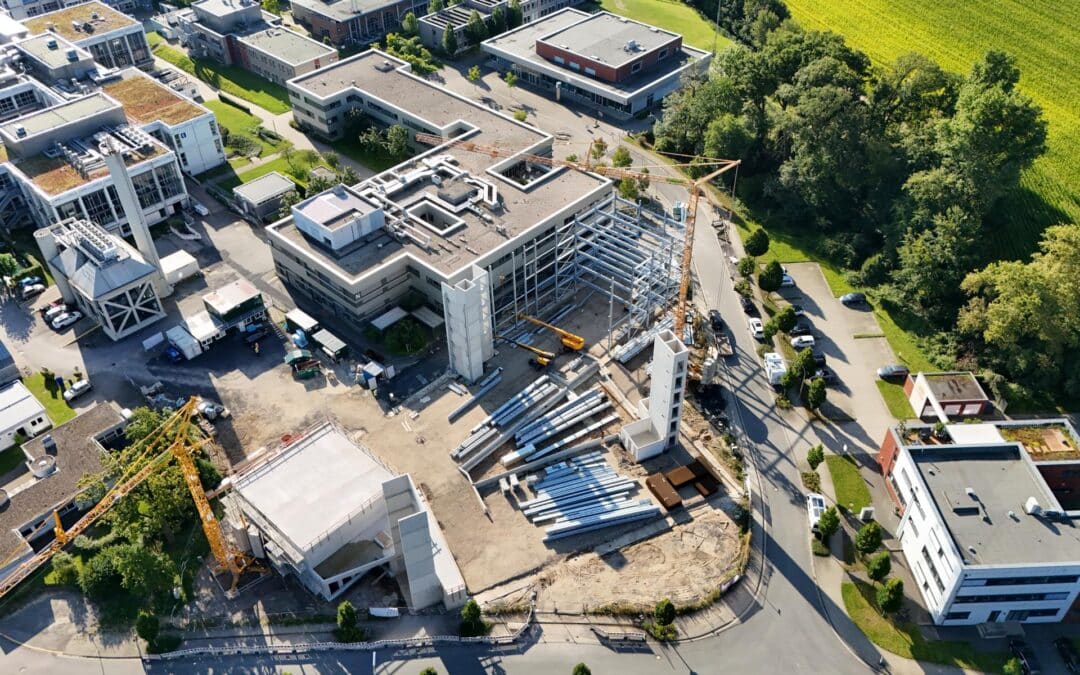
(984,535)
(115,39)
(661,412)
(21,415)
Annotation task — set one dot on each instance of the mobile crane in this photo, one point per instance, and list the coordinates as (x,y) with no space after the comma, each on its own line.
(695,187)
(542,359)
(176,438)
(570,341)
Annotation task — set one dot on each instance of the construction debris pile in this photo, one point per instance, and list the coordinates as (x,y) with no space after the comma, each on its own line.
(582,495)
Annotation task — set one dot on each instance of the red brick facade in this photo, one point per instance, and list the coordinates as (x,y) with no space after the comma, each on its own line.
(607,72)
(321,26)
(886,459)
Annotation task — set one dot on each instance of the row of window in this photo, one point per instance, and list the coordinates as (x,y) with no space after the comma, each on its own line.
(1009,597)
(1021,581)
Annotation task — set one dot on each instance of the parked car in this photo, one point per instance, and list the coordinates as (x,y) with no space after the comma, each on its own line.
(53,311)
(65,320)
(1068,654)
(892,371)
(748,306)
(827,374)
(30,281)
(787,281)
(173,354)
(802,327)
(199,208)
(853,299)
(715,320)
(819,359)
(32,290)
(78,389)
(802,342)
(799,311)
(815,506)
(757,329)
(1026,655)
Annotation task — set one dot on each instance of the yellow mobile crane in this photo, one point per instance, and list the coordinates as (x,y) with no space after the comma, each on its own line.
(175,438)
(570,341)
(695,187)
(543,358)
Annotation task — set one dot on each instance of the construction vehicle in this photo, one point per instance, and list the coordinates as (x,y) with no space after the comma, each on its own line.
(696,188)
(174,439)
(569,341)
(542,359)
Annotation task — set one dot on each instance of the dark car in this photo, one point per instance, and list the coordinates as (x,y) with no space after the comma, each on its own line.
(826,374)
(819,359)
(715,320)
(253,336)
(173,354)
(1026,656)
(802,327)
(748,306)
(892,371)
(1068,654)
(853,299)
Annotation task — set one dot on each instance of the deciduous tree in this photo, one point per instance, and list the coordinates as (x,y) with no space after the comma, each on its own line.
(828,523)
(816,393)
(868,538)
(890,596)
(770,278)
(410,25)
(757,243)
(879,566)
(449,40)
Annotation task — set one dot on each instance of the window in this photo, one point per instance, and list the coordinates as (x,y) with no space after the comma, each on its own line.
(676,398)
(590,71)
(1020,581)
(1022,614)
(636,67)
(957,616)
(678,381)
(559,60)
(1009,597)
(933,570)
(674,426)
(911,525)
(663,54)
(574,66)
(146,189)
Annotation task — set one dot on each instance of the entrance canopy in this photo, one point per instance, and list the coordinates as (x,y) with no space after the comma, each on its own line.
(427,317)
(389,318)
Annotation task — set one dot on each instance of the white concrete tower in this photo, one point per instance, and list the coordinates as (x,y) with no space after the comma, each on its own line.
(114,160)
(469,338)
(46,241)
(668,382)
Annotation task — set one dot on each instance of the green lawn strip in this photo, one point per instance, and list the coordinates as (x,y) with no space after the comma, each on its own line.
(378,161)
(895,400)
(242,124)
(903,343)
(281,165)
(851,490)
(697,31)
(905,639)
(230,79)
(47,392)
(11,458)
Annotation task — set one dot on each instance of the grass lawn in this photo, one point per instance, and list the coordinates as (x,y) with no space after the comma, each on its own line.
(851,490)
(955,34)
(377,161)
(240,123)
(229,79)
(11,458)
(906,640)
(49,395)
(895,400)
(697,31)
(281,165)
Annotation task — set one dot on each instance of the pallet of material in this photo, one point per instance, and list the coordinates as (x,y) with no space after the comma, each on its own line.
(663,491)
(680,476)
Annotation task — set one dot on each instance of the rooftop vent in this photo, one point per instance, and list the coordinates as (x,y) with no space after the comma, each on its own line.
(49,444)
(51,44)
(20,131)
(72,55)
(43,466)
(971,493)
(1031,507)
(77,26)
(94,16)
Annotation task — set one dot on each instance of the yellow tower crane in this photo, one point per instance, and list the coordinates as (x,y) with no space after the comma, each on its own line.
(178,438)
(695,187)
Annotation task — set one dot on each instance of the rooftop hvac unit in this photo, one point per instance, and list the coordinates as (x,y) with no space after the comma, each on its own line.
(51,44)
(72,55)
(20,130)
(76,26)
(94,16)
(1031,507)
(43,466)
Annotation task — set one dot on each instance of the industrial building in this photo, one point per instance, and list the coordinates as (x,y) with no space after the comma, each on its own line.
(987,520)
(482,239)
(239,32)
(115,39)
(327,511)
(621,66)
(57,461)
(21,415)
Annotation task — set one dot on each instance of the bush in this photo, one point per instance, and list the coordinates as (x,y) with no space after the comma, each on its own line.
(1012,667)
(829,523)
(811,480)
(664,613)
(819,549)
(890,596)
(621,157)
(661,632)
(771,277)
(878,567)
(815,456)
(757,243)
(746,266)
(785,319)
(98,578)
(520,115)
(742,287)
(581,669)
(429,671)
(147,627)
(868,538)
(472,620)
(65,571)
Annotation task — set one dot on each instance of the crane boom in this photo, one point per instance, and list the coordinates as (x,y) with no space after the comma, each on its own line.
(695,187)
(568,339)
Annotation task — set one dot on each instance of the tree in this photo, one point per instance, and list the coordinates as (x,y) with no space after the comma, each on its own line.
(473,75)
(785,318)
(599,147)
(472,620)
(9,265)
(890,596)
(98,578)
(449,40)
(868,538)
(770,278)
(348,176)
(498,22)
(144,572)
(643,180)
(436,6)
(932,264)
(1012,667)
(510,79)
(397,141)
(520,115)
(147,626)
(65,571)
(429,671)
(319,184)
(581,669)
(272,6)
(816,393)
(815,456)
(371,139)
(410,25)
(664,612)
(746,266)
(828,523)
(803,366)
(475,29)
(621,157)
(879,566)
(757,243)
(514,16)
(628,189)
(332,159)
(346,616)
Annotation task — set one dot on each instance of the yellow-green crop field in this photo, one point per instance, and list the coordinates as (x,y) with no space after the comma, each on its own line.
(1043,35)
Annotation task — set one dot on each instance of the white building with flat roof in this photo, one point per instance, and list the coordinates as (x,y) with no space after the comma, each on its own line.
(21,415)
(327,511)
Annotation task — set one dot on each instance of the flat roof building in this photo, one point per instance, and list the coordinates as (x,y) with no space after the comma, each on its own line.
(21,415)
(354,22)
(261,198)
(623,66)
(326,510)
(115,39)
(983,529)
(946,396)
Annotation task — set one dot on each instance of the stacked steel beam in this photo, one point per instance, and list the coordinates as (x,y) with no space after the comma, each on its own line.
(533,440)
(637,344)
(513,408)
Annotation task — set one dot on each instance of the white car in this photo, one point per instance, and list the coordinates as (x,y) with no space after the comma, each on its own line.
(815,506)
(787,281)
(802,342)
(55,311)
(199,208)
(757,329)
(32,290)
(78,389)
(65,320)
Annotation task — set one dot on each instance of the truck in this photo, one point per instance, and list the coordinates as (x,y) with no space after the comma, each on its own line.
(775,367)
(723,343)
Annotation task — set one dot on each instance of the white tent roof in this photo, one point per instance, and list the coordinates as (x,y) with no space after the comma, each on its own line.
(389,318)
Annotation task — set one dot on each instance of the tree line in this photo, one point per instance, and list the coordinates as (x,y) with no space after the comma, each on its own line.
(896,172)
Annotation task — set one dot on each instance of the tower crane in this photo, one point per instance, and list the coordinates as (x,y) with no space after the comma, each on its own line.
(569,340)
(696,188)
(175,438)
